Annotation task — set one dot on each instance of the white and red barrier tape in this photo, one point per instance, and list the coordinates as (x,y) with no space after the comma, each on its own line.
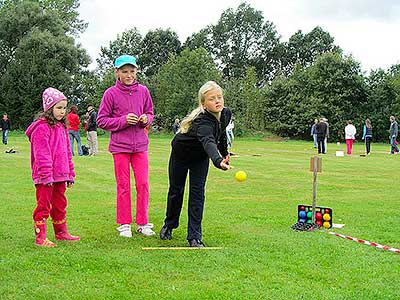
(365,242)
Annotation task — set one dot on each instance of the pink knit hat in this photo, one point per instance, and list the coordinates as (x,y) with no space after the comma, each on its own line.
(50,97)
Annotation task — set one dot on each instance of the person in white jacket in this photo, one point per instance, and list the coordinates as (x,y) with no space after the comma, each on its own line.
(350,135)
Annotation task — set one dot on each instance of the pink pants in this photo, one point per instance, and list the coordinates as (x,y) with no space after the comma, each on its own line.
(50,200)
(349,145)
(140,165)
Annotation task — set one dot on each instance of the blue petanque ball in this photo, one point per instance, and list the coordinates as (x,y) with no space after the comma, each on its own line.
(302,220)
(302,214)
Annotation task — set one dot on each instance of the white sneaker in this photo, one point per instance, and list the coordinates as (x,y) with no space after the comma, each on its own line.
(145,229)
(150,225)
(125,230)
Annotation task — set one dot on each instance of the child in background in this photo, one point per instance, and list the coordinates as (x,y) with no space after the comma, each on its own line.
(229,135)
(201,136)
(350,135)
(73,129)
(367,136)
(92,131)
(52,167)
(176,126)
(125,110)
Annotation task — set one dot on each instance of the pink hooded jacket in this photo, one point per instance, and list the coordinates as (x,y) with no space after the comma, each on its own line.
(117,102)
(51,158)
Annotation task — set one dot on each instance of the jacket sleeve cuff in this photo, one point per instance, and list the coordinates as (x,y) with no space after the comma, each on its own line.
(217,162)
(143,125)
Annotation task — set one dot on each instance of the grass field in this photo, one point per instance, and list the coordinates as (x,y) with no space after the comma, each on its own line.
(262,258)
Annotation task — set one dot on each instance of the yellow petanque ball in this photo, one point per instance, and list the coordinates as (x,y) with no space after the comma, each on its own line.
(327,225)
(326,217)
(240,176)
(338,143)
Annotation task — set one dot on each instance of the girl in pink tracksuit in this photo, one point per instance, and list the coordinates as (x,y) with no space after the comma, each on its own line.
(52,167)
(125,110)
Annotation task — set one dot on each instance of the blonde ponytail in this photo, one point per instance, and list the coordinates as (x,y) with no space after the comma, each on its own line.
(188,120)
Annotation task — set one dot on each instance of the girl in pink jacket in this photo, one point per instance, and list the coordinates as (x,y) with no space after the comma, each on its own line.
(125,110)
(52,167)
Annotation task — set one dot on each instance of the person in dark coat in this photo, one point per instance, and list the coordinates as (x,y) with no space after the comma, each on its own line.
(5,127)
(321,130)
(92,130)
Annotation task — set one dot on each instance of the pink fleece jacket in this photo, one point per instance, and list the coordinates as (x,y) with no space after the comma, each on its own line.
(117,102)
(51,158)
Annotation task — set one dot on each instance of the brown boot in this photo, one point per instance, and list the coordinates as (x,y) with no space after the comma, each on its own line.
(41,237)
(61,232)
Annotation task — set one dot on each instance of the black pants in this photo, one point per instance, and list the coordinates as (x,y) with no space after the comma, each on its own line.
(321,144)
(368,144)
(178,170)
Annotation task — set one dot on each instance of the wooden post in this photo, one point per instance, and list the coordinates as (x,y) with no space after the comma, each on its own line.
(315,167)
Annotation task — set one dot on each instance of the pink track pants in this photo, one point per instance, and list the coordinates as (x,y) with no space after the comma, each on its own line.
(349,145)
(50,200)
(140,165)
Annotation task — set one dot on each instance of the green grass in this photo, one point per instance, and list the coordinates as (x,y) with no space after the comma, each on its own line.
(262,257)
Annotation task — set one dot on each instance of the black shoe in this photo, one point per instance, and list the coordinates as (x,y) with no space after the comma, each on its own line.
(196,243)
(166,233)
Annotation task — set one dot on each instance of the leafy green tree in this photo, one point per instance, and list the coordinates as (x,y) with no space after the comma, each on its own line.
(341,89)
(129,42)
(233,97)
(244,98)
(394,80)
(382,102)
(201,39)
(178,82)
(85,89)
(107,80)
(332,87)
(239,40)
(287,109)
(242,39)
(68,12)
(16,19)
(36,57)
(303,49)
(156,48)
(253,103)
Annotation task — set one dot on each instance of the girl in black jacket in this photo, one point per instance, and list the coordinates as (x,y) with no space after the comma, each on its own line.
(201,136)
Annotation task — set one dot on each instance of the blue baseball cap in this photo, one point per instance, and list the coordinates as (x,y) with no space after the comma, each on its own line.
(125,60)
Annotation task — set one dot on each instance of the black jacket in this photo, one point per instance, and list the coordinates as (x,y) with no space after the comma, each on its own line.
(206,137)
(5,124)
(92,125)
(321,129)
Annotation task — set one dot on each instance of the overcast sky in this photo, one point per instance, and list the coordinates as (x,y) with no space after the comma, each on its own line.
(367,29)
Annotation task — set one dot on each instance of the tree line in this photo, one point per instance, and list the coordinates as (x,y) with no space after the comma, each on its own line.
(270,85)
